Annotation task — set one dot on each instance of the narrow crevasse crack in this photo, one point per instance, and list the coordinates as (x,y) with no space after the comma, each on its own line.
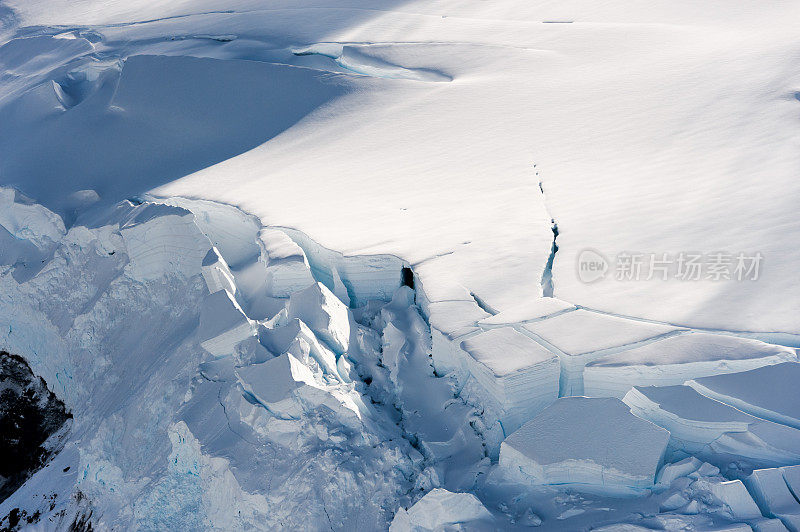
(547,275)
(228,421)
(483,305)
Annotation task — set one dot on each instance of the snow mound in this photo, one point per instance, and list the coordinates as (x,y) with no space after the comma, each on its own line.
(440,509)
(713,431)
(769,392)
(676,359)
(581,336)
(591,442)
(512,377)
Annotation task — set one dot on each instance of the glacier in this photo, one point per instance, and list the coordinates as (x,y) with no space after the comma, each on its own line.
(309,265)
(184,311)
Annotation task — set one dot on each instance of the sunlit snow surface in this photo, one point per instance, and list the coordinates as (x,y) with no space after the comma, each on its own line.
(217,376)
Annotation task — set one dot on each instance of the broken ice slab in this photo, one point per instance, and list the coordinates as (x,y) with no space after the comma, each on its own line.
(730,496)
(450,320)
(29,233)
(324,314)
(361,278)
(27,220)
(592,443)
(162,238)
(773,496)
(296,338)
(455,318)
(273,382)
(440,509)
(581,336)
(514,377)
(287,268)
(713,431)
(216,273)
(791,474)
(675,359)
(528,310)
(223,324)
(286,388)
(770,392)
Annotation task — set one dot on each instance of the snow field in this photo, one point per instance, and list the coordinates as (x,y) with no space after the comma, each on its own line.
(356,161)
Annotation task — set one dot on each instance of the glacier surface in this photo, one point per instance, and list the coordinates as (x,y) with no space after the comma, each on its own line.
(284,263)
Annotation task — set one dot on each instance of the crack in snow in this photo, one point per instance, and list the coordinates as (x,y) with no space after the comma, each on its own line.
(547,275)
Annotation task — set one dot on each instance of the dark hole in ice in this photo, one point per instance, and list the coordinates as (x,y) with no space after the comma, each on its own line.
(408,277)
(29,414)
